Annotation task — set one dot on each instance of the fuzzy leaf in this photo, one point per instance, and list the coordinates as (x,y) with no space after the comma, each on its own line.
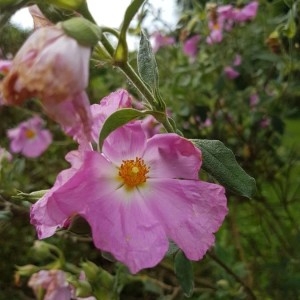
(220,162)
(184,272)
(146,62)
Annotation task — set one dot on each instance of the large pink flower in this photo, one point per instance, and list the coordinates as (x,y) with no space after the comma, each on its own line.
(137,196)
(29,138)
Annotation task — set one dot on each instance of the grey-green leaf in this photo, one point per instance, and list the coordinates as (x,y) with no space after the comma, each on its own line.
(184,272)
(220,162)
(118,119)
(146,62)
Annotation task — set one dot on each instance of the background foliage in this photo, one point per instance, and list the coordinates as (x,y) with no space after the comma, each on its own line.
(256,253)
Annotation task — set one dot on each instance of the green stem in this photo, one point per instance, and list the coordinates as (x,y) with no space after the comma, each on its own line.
(136,81)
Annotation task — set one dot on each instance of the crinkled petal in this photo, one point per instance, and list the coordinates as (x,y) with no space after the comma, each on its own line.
(108,105)
(123,225)
(126,142)
(190,211)
(171,156)
(73,191)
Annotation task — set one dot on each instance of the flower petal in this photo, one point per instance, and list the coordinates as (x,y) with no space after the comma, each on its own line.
(72,192)
(126,142)
(126,228)
(190,211)
(171,156)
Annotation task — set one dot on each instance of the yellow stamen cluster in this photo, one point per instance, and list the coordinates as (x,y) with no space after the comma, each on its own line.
(30,134)
(133,172)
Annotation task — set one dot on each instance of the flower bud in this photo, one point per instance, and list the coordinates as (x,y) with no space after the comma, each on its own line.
(83,31)
(27,270)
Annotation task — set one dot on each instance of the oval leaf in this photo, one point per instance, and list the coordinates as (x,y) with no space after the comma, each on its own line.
(220,162)
(116,120)
(184,272)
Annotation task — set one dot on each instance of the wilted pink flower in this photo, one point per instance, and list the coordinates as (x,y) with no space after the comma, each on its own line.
(54,284)
(29,138)
(190,46)
(247,13)
(5,66)
(45,67)
(159,40)
(231,73)
(138,194)
(55,68)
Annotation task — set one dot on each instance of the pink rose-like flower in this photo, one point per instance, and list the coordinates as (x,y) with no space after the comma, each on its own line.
(54,68)
(231,73)
(29,138)
(138,195)
(190,46)
(159,40)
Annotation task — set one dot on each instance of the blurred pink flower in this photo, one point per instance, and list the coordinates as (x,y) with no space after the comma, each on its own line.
(53,282)
(254,100)
(29,138)
(191,46)
(265,122)
(231,73)
(247,13)
(216,33)
(237,60)
(159,40)
(55,68)
(151,186)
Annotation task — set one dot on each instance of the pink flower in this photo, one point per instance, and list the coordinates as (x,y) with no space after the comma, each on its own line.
(216,34)
(138,195)
(265,122)
(231,73)
(190,46)
(45,67)
(159,40)
(247,13)
(53,282)
(29,138)
(237,60)
(53,67)
(254,100)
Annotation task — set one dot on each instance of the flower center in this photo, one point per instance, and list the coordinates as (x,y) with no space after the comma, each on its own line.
(29,133)
(133,172)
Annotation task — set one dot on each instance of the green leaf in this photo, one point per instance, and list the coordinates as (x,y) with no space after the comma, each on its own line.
(146,62)
(118,119)
(184,272)
(121,52)
(220,162)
